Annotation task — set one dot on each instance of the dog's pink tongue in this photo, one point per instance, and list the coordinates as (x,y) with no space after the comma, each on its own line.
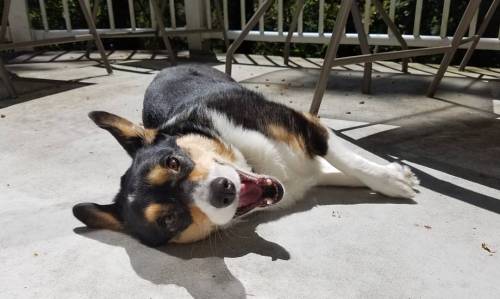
(249,194)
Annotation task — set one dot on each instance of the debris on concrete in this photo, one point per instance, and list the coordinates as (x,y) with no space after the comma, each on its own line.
(487,248)
(336,214)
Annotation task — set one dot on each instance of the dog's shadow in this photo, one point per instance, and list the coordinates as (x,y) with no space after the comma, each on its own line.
(200,267)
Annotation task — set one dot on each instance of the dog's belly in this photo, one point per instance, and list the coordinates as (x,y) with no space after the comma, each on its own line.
(293,168)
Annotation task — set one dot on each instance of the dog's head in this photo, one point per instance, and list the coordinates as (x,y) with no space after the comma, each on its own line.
(179,188)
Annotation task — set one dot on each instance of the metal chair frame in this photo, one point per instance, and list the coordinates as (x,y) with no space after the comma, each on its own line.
(351,7)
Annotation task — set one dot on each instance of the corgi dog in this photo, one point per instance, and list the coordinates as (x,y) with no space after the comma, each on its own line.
(211,151)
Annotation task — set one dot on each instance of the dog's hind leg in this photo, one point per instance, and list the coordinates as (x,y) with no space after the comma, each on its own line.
(393,179)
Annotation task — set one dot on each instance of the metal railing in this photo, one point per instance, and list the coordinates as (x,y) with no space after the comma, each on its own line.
(416,39)
(203,25)
(49,32)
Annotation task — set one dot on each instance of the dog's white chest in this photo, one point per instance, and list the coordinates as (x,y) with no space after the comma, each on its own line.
(295,170)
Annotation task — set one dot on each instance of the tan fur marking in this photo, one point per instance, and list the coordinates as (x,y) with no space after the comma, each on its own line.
(204,152)
(104,220)
(155,210)
(149,135)
(280,133)
(224,151)
(158,175)
(129,129)
(199,229)
(317,123)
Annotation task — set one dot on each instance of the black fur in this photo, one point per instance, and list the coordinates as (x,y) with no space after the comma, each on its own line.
(187,91)
(176,103)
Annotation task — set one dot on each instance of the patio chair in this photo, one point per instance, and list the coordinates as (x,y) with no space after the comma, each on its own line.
(486,21)
(351,6)
(93,36)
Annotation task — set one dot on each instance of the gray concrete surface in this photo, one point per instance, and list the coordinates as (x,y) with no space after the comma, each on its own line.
(336,243)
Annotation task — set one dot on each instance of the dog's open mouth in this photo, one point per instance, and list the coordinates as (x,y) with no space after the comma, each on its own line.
(257,191)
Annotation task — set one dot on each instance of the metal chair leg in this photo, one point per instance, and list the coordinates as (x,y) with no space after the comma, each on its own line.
(365,48)
(394,29)
(97,38)
(331,53)
(464,24)
(220,19)
(95,8)
(480,32)
(237,42)
(161,28)
(293,26)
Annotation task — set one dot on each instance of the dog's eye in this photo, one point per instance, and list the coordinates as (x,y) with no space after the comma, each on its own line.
(172,163)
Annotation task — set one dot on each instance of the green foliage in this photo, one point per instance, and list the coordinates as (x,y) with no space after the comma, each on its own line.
(404,19)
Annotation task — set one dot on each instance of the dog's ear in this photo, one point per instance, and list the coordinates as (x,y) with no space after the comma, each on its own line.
(129,135)
(98,216)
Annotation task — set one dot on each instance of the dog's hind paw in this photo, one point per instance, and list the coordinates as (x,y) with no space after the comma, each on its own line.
(395,180)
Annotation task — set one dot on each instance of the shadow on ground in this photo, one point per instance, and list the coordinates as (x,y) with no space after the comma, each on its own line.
(463,148)
(31,89)
(200,267)
(383,84)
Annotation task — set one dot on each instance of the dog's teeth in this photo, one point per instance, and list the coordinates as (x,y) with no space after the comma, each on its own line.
(269,201)
(269,182)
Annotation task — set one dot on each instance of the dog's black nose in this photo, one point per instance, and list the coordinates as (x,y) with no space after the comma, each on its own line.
(223,192)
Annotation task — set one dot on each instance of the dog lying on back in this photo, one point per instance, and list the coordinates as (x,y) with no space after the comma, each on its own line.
(211,151)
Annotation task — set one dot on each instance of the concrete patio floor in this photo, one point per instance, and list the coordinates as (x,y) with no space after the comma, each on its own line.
(336,243)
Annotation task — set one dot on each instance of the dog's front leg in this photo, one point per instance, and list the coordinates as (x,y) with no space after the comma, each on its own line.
(393,179)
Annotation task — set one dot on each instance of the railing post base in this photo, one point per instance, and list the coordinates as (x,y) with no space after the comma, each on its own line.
(195,19)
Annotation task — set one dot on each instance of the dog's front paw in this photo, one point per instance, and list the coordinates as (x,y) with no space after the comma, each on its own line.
(395,180)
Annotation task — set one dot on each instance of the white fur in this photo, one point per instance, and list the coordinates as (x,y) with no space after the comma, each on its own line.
(293,169)
(392,179)
(298,172)
(201,195)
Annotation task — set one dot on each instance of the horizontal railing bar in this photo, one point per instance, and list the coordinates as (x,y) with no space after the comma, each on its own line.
(152,33)
(128,32)
(468,39)
(352,39)
(48,41)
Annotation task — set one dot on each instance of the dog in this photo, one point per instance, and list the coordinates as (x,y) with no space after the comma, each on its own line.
(211,151)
